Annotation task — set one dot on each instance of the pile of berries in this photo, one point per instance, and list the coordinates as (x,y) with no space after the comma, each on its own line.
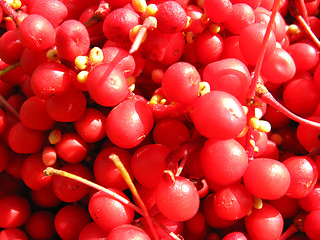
(160,119)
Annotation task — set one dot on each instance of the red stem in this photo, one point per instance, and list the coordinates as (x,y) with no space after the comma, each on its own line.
(308,30)
(249,147)
(269,99)
(100,14)
(257,70)
(9,10)
(290,231)
(304,11)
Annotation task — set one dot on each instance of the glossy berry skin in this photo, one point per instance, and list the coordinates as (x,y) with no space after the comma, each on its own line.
(311,225)
(13,233)
(218,115)
(40,225)
(106,173)
(148,164)
(182,197)
(71,148)
(68,190)
(303,174)
(211,216)
(50,79)
(171,132)
(32,172)
(70,220)
(267,178)
(54,11)
(10,47)
(90,126)
(250,41)
(72,40)
(265,223)
(180,82)
(33,114)
(92,231)
(15,211)
(25,140)
(311,202)
(118,23)
(67,107)
(218,10)
(232,202)
(108,212)
(128,130)
(230,75)
(36,32)
(106,85)
(227,159)
(127,232)
(171,17)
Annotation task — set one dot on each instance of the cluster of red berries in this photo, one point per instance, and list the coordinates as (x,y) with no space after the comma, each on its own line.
(160,119)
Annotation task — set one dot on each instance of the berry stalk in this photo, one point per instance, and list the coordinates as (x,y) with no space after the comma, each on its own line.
(49,171)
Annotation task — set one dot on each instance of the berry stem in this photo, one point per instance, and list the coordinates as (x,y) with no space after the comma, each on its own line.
(269,99)
(138,40)
(102,11)
(124,173)
(9,10)
(250,143)
(308,30)
(291,230)
(148,24)
(9,106)
(181,165)
(304,11)
(9,68)
(314,153)
(49,171)
(257,70)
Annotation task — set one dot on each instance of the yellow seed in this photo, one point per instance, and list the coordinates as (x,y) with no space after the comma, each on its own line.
(132,87)
(256,149)
(163,101)
(95,56)
(245,109)
(156,98)
(204,18)
(264,126)
(139,5)
(293,29)
(15,4)
(257,203)
(55,136)
(215,28)
(244,132)
(252,143)
(82,76)
(254,122)
(53,55)
(134,31)
(258,113)
(189,20)
(204,87)
(190,37)
(82,62)
(151,10)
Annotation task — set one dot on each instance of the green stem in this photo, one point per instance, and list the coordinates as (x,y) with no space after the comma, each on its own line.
(9,68)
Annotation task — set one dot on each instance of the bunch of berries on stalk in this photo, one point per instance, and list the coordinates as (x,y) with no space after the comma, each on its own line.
(159,119)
